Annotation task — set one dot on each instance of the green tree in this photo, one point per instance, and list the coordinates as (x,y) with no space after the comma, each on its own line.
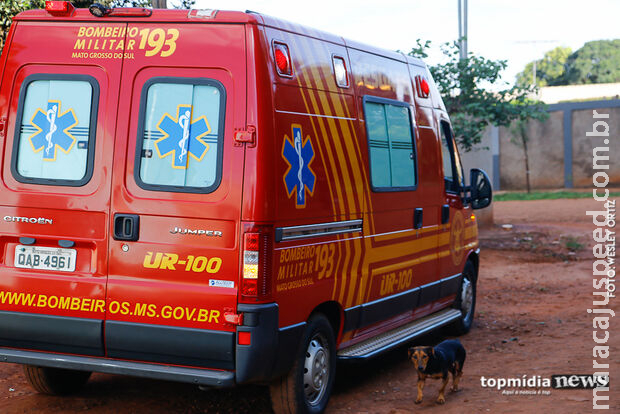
(595,62)
(10,8)
(184,4)
(521,138)
(471,106)
(549,70)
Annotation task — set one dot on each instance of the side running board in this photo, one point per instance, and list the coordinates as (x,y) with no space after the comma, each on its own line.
(391,339)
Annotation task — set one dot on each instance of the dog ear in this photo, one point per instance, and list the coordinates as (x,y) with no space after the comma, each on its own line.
(433,352)
(410,352)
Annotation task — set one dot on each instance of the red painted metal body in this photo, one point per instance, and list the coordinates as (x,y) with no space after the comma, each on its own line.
(187,280)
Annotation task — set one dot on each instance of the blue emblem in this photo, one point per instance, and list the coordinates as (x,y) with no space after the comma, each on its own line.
(299,176)
(182,136)
(53,130)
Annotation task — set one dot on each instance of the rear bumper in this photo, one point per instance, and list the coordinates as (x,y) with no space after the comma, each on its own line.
(270,354)
(272,351)
(197,376)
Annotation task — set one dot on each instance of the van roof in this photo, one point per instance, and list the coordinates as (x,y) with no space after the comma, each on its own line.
(221,16)
(159,15)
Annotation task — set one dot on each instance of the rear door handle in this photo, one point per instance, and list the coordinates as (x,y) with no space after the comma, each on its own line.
(445,214)
(126,227)
(418,218)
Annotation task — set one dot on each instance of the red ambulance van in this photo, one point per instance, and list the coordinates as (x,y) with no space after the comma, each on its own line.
(221,198)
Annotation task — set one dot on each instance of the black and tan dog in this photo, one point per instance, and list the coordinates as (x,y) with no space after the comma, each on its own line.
(448,356)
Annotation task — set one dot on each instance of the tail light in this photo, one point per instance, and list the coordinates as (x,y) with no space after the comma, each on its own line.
(256,271)
(59,7)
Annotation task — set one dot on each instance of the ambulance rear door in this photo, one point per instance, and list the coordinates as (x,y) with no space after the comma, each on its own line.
(58,105)
(176,194)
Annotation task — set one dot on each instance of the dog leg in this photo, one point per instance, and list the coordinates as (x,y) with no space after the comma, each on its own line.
(456,376)
(444,381)
(421,381)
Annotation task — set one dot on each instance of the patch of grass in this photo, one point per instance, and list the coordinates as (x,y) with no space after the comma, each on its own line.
(546,195)
(573,244)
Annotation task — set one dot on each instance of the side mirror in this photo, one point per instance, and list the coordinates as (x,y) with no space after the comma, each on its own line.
(480,187)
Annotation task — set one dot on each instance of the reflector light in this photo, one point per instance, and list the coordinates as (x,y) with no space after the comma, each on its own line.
(244,338)
(283,59)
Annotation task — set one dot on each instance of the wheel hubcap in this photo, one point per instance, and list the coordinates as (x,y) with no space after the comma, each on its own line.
(467,297)
(316,371)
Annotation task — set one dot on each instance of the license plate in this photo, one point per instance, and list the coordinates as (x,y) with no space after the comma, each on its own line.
(45,258)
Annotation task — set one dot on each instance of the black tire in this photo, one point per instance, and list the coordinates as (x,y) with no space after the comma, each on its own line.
(296,392)
(55,381)
(466,302)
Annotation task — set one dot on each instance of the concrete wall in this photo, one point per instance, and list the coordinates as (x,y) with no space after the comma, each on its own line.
(546,155)
(555,94)
(582,122)
(482,157)
(560,153)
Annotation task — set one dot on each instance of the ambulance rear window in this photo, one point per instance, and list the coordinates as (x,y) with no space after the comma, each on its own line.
(180,141)
(55,132)
(390,141)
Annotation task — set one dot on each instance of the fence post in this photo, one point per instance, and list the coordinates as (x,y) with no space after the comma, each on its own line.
(495,155)
(567,126)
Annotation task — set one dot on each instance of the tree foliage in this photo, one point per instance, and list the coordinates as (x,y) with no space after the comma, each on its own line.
(184,4)
(595,62)
(549,69)
(472,107)
(9,9)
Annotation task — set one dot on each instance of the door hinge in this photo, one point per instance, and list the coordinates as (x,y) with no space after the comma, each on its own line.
(245,136)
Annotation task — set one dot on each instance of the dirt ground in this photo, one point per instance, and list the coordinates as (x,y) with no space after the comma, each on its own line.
(534,287)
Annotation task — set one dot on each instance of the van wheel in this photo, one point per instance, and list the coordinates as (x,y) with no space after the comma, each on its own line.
(307,387)
(55,381)
(466,300)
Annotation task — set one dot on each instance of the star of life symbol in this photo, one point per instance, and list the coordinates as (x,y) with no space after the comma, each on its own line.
(457,238)
(299,177)
(182,137)
(53,130)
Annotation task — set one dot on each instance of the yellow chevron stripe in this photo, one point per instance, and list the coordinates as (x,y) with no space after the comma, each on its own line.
(405,264)
(313,107)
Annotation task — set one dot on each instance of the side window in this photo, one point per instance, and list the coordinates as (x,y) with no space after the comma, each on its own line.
(451,160)
(446,156)
(180,135)
(390,142)
(56,128)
